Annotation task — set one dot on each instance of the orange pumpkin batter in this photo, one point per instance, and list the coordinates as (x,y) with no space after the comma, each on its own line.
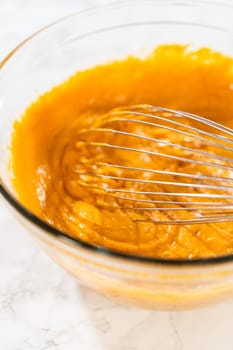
(200,82)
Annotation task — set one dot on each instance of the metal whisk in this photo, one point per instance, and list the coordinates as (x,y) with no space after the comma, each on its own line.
(158,165)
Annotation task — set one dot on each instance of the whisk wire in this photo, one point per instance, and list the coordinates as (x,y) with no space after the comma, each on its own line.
(194,181)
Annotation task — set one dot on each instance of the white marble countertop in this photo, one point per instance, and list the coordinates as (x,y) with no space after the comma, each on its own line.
(41,306)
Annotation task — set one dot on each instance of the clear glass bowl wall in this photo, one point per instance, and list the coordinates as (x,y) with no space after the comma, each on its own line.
(82,41)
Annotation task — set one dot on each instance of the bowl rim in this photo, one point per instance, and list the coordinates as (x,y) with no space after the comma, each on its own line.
(45,227)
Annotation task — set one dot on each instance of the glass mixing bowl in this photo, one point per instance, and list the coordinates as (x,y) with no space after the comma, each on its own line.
(76,43)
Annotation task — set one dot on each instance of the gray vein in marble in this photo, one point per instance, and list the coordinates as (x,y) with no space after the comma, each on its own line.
(176,332)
